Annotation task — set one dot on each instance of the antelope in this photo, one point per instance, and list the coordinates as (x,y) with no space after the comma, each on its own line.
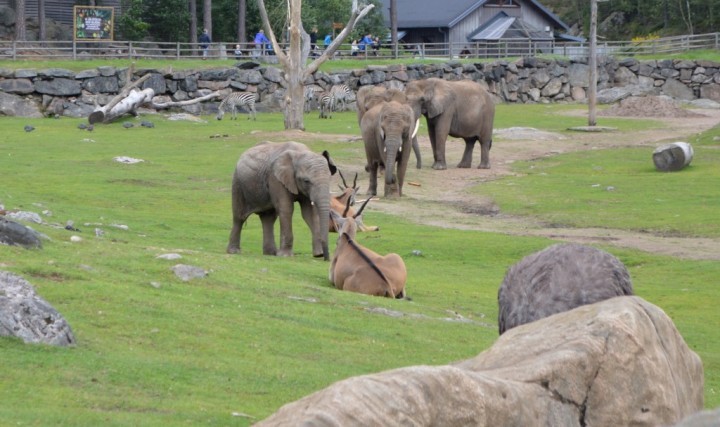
(356,268)
(347,198)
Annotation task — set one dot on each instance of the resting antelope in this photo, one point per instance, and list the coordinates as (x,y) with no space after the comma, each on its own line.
(356,268)
(346,198)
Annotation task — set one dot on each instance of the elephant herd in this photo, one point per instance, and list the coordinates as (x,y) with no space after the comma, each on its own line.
(270,177)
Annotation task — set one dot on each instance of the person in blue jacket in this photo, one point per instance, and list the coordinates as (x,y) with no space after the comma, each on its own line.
(205,41)
(260,42)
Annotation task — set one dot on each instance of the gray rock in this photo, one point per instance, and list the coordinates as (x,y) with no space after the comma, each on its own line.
(677,90)
(16,234)
(25,315)
(709,418)
(188,272)
(16,106)
(618,362)
(19,86)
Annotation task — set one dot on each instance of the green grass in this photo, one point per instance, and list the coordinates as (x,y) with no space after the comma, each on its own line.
(261,331)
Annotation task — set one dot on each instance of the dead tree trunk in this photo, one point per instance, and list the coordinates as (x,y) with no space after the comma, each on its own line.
(103,114)
(127,105)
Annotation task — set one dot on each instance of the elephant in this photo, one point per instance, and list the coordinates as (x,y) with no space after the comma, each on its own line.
(461,109)
(388,129)
(369,96)
(268,179)
(559,278)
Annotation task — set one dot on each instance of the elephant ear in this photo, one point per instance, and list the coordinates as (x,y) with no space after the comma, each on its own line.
(284,171)
(331,164)
(437,98)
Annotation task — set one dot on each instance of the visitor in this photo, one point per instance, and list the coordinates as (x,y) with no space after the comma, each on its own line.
(313,40)
(328,41)
(238,52)
(260,42)
(376,46)
(205,41)
(354,47)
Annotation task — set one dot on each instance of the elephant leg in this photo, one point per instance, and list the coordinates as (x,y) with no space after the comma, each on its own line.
(416,150)
(308,215)
(372,168)
(234,241)
(286,233)
(438,131)
(403,162)
(268,225)
(466,161)
(485,154)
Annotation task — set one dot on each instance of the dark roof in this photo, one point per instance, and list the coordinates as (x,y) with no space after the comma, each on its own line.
(445,14)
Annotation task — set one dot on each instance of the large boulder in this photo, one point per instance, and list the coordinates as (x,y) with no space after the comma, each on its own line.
(25,315)
(15,234)
(618,362)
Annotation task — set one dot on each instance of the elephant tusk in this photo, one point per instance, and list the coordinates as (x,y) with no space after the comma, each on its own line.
(417,126)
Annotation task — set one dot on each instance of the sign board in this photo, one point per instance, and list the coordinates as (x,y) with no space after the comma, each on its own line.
(93,23)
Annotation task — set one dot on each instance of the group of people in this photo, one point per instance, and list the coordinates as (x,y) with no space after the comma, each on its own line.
(262,46)
(365,44)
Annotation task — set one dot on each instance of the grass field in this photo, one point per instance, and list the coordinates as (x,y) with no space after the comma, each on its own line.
(260,331)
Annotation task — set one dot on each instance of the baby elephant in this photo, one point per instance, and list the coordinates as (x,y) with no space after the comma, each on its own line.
(358,269)
(557,279)
(269,179)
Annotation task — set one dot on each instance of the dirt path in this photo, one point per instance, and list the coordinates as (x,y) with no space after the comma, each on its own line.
(441,198)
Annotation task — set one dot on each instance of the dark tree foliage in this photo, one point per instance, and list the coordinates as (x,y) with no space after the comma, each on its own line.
(627,19)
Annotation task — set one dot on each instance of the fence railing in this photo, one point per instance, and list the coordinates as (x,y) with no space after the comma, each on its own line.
(503,48)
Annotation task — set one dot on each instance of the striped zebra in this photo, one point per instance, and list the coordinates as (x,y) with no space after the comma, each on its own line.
(235,100)
(310,95)
(327,104)
(343,95)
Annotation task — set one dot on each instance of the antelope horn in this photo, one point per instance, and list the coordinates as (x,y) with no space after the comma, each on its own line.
(355,180)
(347,208)
(343,178)
(357,214)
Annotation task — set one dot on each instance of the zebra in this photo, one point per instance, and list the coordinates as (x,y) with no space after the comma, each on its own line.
(235,100)
(342,94)
(327,104)
(310,94)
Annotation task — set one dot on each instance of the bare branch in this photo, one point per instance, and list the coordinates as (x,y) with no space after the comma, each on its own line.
(355,16)
(161,105)
(281,56)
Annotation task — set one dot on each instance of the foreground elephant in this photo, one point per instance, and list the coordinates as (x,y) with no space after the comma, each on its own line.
(461,109)
(388,130)
(559,278)
(269,178)
(370,96)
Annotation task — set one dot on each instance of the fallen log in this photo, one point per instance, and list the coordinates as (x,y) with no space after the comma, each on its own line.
(162,105)
(126,105)
(672,157)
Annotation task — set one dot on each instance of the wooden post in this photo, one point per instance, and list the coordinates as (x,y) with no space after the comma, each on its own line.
(592,63)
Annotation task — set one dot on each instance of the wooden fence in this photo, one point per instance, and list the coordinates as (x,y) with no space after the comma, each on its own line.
(503,48)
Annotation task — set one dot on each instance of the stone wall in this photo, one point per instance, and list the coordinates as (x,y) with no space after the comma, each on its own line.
(51,92)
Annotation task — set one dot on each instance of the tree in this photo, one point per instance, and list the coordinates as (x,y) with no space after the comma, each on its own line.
(193,21)
(294,61)
(242,17)
(207,16)
(20,20)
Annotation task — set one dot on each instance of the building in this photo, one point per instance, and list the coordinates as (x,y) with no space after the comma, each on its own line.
(59,10)
(473,23)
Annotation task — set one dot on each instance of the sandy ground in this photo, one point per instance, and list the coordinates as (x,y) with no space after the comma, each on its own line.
(440,198)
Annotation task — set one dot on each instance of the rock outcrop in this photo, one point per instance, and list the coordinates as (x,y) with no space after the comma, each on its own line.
(618,362)
(25,315)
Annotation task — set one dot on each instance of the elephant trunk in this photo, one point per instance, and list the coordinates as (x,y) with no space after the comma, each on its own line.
(321,212)
(392,148)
